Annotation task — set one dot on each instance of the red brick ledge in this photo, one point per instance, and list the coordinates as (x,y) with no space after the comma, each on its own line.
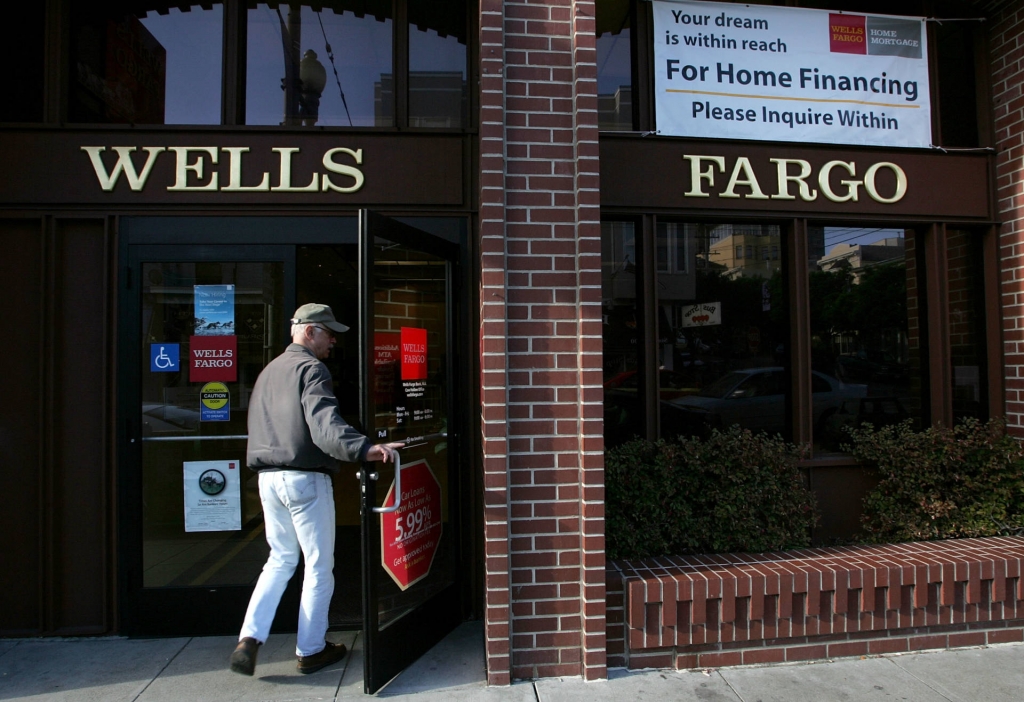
(732,609)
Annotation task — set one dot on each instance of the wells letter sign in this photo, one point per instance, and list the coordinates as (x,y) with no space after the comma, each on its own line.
(410,536)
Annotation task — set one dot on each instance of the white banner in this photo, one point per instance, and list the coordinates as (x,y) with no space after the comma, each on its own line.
(785,74)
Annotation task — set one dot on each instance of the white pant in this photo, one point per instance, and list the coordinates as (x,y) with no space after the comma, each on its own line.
(298,511)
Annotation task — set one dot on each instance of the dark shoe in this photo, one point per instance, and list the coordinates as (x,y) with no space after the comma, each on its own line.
(332,653)
(243,658)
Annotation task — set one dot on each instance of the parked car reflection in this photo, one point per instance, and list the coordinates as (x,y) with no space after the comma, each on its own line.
(164,419)
(671,384)
(755,398)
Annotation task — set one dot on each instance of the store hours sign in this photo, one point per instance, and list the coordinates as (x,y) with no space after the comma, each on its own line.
(770,73)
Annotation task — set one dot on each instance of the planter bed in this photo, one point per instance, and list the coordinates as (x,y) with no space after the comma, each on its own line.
(741,609)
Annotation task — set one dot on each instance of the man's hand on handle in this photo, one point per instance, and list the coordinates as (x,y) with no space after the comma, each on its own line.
(383,452)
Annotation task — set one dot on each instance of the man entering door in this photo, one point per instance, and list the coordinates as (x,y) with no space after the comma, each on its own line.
(296,438)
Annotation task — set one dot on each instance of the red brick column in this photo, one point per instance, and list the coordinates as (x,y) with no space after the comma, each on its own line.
(1006,27)
(493,332)
(541,341)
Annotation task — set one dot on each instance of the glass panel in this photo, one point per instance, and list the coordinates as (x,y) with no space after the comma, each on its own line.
(614,72)
(25,85)
(966,324)
(410,400)
(330,275)
(865,334)
(622,410)
(326,67)
(146,67)
(208,531)
(958,103)
(721,329)
(438,96)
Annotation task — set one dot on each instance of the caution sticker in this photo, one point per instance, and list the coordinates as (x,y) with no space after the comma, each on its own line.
(214,403)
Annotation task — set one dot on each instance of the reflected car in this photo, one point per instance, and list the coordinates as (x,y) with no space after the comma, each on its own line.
(755,398)
(671,384)
(160,419)
(623,419)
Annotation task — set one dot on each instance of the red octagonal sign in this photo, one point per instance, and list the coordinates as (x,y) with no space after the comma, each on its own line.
(410,535)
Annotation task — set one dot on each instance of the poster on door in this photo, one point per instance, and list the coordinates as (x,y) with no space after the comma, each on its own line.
(213,495)
(215,310)
(385,366)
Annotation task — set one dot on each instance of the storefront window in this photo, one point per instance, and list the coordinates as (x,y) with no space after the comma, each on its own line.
(146,67)
(438,95)
(721,330)
(25,18)
(614,81)
(865,332)
(325,67)
(623,417)
(966,324)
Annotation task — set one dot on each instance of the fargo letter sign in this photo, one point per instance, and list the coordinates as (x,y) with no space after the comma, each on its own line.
(686,174)
(795,178)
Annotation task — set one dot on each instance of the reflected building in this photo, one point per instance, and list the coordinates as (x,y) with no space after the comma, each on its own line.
(615,110)
(120,72)
(437,99)
(857,257)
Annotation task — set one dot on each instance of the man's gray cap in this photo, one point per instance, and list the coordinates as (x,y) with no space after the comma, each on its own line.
(315,313)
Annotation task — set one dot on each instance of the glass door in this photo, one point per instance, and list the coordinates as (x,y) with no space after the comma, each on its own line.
(410,529)
(204,321)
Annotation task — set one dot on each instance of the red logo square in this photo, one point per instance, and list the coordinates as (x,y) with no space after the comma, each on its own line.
(213,358)
(847,34)
(414,353)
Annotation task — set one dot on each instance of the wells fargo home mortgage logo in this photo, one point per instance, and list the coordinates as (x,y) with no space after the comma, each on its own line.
(874,36)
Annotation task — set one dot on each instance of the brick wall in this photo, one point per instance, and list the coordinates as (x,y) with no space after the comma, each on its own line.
(541,341)
(1006,46)
(733,609)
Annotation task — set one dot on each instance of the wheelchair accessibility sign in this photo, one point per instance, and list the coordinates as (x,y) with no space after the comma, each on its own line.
(163,358)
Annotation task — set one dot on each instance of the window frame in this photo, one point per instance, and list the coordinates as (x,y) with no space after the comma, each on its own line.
(56,92)
(933,299)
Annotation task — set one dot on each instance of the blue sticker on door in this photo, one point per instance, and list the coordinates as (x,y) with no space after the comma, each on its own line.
(163,358)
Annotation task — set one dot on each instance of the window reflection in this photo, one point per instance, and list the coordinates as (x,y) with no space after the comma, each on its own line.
(146,67)
(25,83)
(721,328)
(326,67)
(966,324)
(438,95)
(864,329)
(623,419)
(614,74)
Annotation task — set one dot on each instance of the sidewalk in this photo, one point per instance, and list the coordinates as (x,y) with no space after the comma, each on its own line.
(173,670)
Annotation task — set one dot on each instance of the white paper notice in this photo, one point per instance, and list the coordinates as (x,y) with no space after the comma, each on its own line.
(213,495)
(725,71)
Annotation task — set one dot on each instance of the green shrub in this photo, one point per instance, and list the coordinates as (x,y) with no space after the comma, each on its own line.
(941,483)
(734,491)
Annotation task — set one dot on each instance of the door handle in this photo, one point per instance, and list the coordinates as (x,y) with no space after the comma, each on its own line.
(398,489)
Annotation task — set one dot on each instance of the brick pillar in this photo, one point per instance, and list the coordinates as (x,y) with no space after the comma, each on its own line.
(541,365)
(1006,30)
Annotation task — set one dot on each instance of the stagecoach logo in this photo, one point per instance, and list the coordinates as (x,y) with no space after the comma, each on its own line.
(209,168)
